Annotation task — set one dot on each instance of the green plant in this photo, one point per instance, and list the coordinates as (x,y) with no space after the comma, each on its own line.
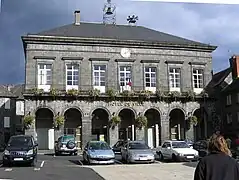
(115,120)
(59,121)
(72,92)
(28,120)
(190,95)
(194,120)
(141,121)
(204,94)
(145,94)
(111,93)
(94,92)
(54,92)
(37,91)
(127,93)
(174,94)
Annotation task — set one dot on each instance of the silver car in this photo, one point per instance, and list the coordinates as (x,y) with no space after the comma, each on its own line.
(98,152)
(137,152)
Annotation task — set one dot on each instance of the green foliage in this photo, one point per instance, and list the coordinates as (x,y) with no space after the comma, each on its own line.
(37,91)
(72,92)
(194,120)
(94,92)
(115,120)
(111,93)
(59,121)
(54,92)
(28,120)
(141,121)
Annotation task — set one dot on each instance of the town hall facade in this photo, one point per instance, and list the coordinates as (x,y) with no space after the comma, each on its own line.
(91,73)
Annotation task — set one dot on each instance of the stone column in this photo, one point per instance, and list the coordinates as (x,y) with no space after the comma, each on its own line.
(113,135)
(165,133)
(86,130)
(157,135)
(190,133)
(140,134)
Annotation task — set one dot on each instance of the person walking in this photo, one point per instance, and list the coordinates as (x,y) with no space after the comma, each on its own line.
(218,165)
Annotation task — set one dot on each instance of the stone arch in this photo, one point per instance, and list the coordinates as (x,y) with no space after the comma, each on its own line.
(153,129)
(99,123)
(129,108)
(45,107)
(73,124)
(73,107)
(199,129)
(177,107)
(127,125)
(44,127)
(101,107)
(177,124)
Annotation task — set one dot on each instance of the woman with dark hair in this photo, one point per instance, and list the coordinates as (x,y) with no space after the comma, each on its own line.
(218,165)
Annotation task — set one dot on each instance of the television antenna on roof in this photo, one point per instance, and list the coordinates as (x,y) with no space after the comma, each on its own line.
(132,19)
(109,13)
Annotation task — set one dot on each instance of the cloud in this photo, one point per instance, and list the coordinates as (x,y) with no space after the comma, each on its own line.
(214,24)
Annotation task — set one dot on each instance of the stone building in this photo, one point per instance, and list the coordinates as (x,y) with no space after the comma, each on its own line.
(11,101)
(91,72)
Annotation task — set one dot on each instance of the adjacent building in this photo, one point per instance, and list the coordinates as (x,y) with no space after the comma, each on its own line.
(91,72)
(11,112)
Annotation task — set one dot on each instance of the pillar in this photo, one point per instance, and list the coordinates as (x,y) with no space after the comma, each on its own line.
(165,133)
(86,130)
(157,135)
(113,135)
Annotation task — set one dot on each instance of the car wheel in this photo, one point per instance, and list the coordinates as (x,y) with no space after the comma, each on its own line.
(5,163)
(34,162)
(75,153)
(161,158)
(127,160)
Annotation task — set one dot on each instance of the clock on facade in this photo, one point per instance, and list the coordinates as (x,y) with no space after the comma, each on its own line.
(125,52)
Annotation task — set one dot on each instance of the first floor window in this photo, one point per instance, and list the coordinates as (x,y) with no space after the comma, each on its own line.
(125,78)
(99,77)
(72,76)
(44,76)
(229,118)
(150,78)
(198,78)
(229,99)
(174,78)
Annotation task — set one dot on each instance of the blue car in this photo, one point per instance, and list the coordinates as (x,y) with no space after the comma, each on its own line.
(98,152)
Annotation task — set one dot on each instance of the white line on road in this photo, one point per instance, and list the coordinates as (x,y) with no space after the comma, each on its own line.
(8,169)
(42,164)
(5,179)
(36,169)
(80,162)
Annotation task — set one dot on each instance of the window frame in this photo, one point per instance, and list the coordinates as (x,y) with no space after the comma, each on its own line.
(72,70)
(125,72)
(150,73)
(99,71)
(42,75)
(174,87)
(198,87)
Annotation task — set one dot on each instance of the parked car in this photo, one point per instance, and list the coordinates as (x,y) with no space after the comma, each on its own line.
(20,149)
(202,147)
(189,142)
(98,152)
(177,151)
(66,144)
(117,147)
(136,152)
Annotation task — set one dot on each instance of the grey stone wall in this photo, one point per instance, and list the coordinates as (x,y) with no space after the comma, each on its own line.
(87,52)
(87,109)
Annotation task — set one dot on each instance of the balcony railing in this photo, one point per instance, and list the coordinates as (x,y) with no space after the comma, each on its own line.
(112,93)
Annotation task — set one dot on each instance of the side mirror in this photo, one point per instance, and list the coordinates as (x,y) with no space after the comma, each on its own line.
(56,141)
(168,147)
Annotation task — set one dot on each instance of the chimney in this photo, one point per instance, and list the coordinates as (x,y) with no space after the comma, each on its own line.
(234,64)
(77,17)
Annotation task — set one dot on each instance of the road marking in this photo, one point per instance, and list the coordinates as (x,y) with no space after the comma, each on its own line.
(37,169)
(80,162)
(118,162)
(42,164)
(5,179)
(8,169)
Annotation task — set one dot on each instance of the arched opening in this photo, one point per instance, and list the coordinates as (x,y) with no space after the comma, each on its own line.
(177,124)
(199,129)
(126,127)
(73,125)
(154,128)
(100,121)
(44,128)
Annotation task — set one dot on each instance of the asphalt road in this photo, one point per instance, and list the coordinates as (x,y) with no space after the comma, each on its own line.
(51,168)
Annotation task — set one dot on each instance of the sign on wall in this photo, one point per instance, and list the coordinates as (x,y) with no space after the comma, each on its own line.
(20,108)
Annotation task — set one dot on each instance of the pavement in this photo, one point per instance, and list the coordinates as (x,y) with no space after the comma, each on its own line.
(52,167)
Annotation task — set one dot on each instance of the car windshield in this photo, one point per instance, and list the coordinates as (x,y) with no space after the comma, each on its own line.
(99,146)
(20,141)
(180,145)
(68,138)
(137,145)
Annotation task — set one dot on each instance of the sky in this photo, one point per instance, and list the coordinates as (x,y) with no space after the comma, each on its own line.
(207,23)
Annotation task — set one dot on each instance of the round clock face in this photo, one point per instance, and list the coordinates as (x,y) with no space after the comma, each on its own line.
(125,52)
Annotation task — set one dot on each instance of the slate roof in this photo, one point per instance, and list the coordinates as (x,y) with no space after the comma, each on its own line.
(119,32)
(11,91)
(234,86)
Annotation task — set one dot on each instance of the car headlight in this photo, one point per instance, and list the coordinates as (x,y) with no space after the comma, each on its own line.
(93,156)
(196,153)
(180,154)
(6,152)
(30,152)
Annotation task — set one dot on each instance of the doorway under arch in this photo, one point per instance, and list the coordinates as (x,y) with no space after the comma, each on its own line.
(153,128)
(126,127)
(177,124)
(73,125)
(199,129)
(100,122)
(44,128)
